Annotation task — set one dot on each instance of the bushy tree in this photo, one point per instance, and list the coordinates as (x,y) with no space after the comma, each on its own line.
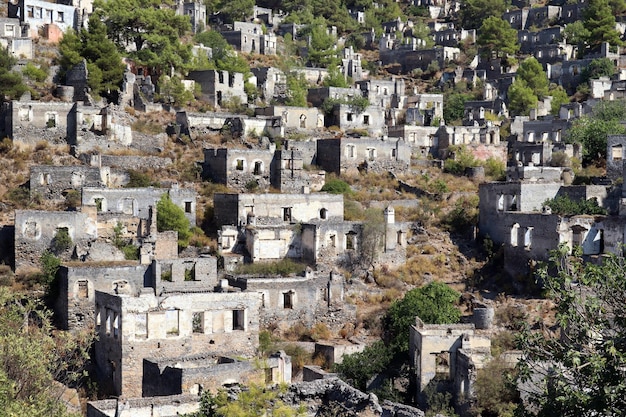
(521,97)
(454,107)
(473,12)
(322,50)
(104,62)
(152,27)
(254,400)
(565,206)
(357,369)
(599,20)
(532,73)
(559,97)
(599,67)
(298,88)
(172,90)
(591,132)
(335,78)
(172,217)
(434,303)
(579,371)
(11,84)
(497,36)
(33,356)
(336,186)
(372,236)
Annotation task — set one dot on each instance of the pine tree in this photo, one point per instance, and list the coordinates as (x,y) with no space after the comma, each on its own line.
(600,22)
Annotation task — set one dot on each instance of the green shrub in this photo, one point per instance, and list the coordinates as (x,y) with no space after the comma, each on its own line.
(337,186)
(61,242)
(283,267)
(131,252)
(137,179)
(565,206)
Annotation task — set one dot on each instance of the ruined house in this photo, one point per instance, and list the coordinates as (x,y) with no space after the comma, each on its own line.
(137,201)
(132,329)
(220,87)
(239,167)
(446,354)
(14,38)
(35,231)
(304,299)
(196,10)
(347,154)
(384,93)
(342,155)
(512,214)
(53,19)
(54,182)
(298,118)
(250,38)
(483,141)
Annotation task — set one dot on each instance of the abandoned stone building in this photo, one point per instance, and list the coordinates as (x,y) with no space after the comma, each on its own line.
(317,96)
(14,38)
(238,167)
(250,38)
(199,124)
(422,139)
(166,326)
(288,173)
(35,231)
(75,304)
(512,214)
(483,141)
(424,110)
(195,374)
(51,18)
(384,93)
(446,354)
(53,182)
(348,117)
(615,156)
(196,10)
(272,83)
(218,87)
(343,155)
(341,242)
(136,202)
(294,117)
(83,127)
(307,299)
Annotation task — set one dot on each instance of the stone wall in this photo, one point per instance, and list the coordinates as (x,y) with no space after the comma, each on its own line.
(75,305)
(171,406)
(134,162)
(137,201)
(346,155)
(233,209)
(194,375)
(187,274)
(35,230)
(434,350)
(53,182)
(29,122)
(238,167)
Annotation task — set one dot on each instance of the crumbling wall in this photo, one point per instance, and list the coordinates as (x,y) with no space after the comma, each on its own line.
(75,306)
(52,182)
(137,201)
(35,230)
